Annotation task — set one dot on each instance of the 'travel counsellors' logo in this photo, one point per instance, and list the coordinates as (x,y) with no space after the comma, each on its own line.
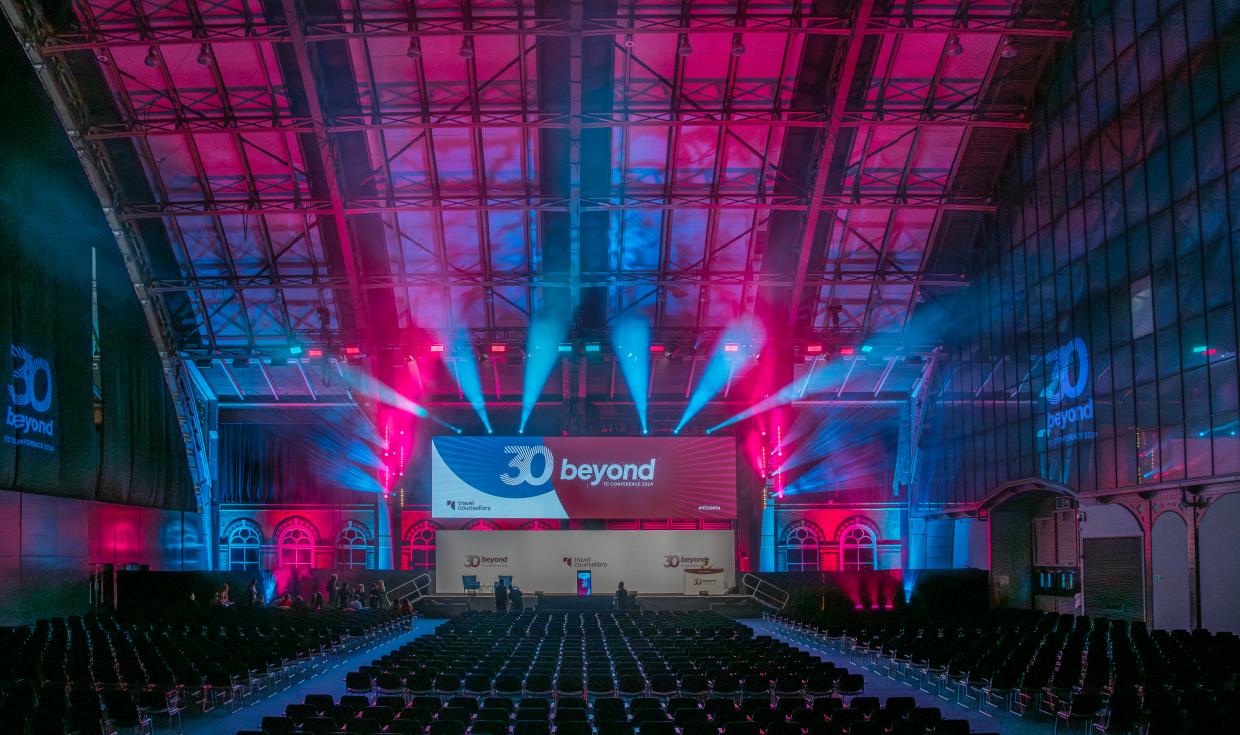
(30,396)
(582,562)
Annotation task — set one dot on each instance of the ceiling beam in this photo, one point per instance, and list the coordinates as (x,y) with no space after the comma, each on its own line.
(151,127)
(588,279)
(498,202)
(322,140)
(182,31)
(844,81)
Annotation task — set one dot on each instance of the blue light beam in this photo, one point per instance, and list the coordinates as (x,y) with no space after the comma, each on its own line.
(542,351)
(750,337)
(463,362)
(630,340)
(821,376)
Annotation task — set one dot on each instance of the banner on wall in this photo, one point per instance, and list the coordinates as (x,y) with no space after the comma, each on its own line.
(29,401)
(549,561)
(583,477)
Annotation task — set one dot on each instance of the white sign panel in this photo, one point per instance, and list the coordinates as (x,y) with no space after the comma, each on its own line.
(646,561)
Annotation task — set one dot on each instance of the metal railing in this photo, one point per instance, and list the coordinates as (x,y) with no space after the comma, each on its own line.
(764,592)
(415,588)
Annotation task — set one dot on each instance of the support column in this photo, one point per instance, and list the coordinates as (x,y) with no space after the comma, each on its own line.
(1146,520)
(1194,564)
(766,541)
(383,531)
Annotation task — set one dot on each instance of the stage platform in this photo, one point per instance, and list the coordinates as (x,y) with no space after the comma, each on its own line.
(733,606)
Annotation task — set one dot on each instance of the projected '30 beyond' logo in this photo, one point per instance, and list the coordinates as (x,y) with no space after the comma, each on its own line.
(522,464)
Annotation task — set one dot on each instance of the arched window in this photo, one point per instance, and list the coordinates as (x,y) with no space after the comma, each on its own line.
(480,525)
(858,549)
(353,547)
(538,526)
(296,544)
(801,546)
(243,542)
(420,542)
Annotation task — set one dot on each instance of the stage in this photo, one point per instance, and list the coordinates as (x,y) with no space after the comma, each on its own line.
(734,606)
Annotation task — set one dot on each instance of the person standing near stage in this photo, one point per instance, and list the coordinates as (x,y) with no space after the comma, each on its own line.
(622,598)
(514,598)
(331,595)
(501,596)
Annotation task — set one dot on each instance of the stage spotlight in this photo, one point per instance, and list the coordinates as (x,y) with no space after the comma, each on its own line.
(1007,50)
(738,48)
(848,351)
(658,349)
(294,350)
(498,349)
(352,350)
(593,347)
(314,352)
(685,48)
(467,49)
(436,348)
(415,49)
(152,59)
(731,347)
(813,349)
(954,47)
(204,55)
(867,348)
(564,348)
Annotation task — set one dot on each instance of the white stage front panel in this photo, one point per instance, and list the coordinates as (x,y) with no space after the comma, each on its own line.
(647,561)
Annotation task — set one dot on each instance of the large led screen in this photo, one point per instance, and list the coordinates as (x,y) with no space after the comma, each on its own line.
(583,477)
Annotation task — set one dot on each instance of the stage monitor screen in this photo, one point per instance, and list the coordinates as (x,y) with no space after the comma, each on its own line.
(583,477)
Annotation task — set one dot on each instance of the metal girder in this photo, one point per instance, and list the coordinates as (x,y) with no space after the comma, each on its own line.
(491,120)
(520,202)
(714,277)
(322,139)
(179,31)
(576,23)
(588,279)
(843,82)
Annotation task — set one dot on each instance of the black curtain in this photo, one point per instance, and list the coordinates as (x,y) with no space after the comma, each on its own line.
(142,455)
(49,220)
(329,457)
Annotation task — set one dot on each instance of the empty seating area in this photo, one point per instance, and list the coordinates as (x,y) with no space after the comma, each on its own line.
(604,674)
(101,674)
(1099,674)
